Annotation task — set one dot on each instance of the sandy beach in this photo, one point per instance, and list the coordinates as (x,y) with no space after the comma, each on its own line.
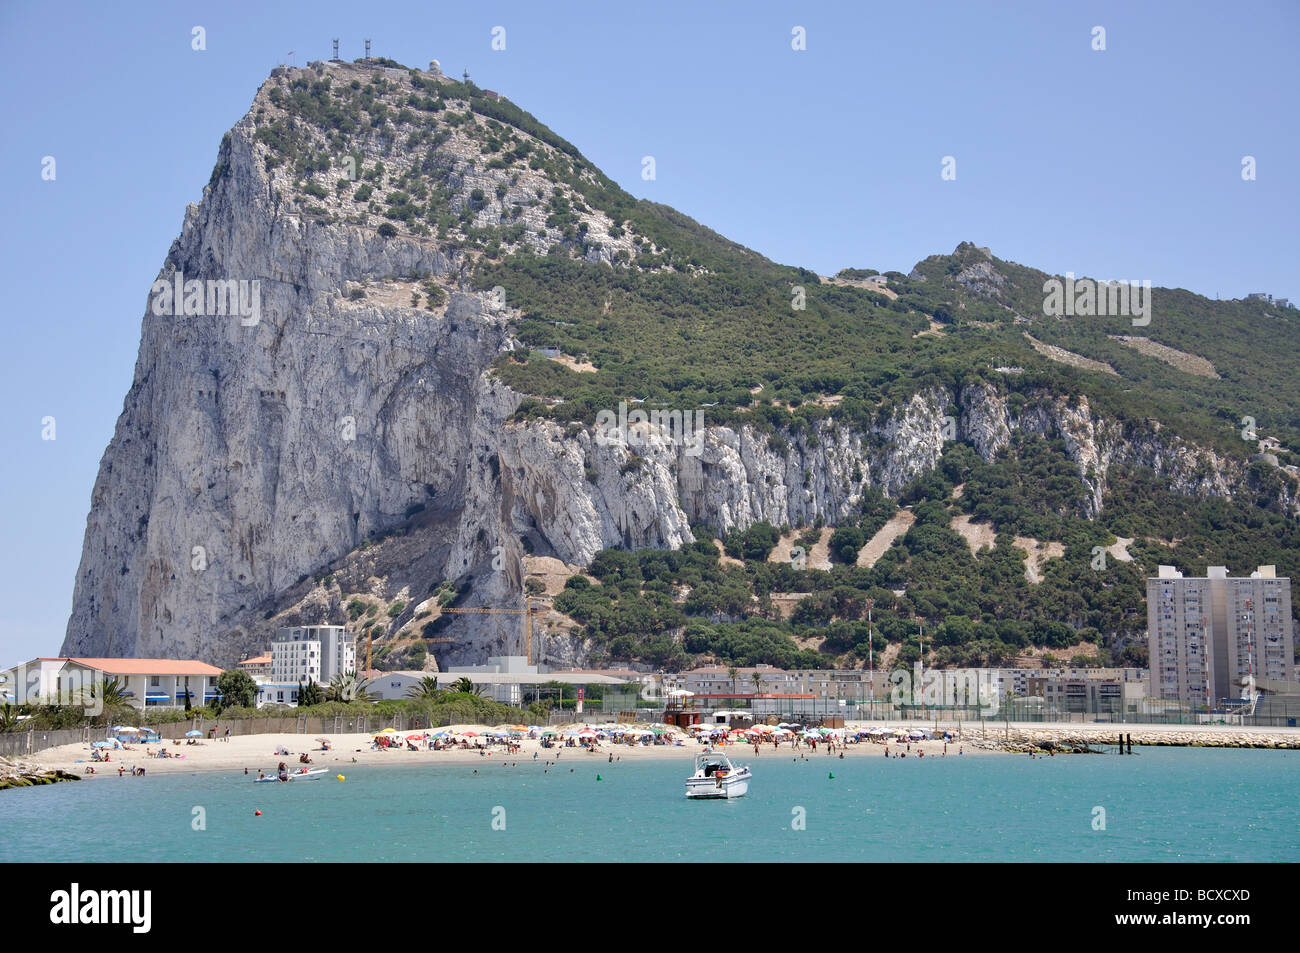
(257,752)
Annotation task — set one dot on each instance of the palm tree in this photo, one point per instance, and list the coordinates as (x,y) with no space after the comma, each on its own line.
(757,679)
(346,688)
(425,688)
(463,684)
(731,674)
(112,697)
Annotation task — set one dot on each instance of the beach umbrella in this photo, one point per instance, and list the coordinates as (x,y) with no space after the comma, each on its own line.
(104,744)
(194,733)
(415,737)
(126,730)
(470,734)
(322,740)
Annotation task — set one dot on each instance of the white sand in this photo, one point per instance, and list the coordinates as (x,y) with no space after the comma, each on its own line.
(256,752)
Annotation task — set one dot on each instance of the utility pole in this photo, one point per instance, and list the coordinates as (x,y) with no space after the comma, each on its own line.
(871,659)
(920,628)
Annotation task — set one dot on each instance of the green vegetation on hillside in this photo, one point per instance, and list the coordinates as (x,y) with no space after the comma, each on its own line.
(675,608)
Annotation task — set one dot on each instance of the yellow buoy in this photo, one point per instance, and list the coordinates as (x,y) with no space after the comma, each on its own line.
(340,777)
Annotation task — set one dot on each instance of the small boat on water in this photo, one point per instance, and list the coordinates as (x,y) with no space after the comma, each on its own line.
(716,777)
(312,775)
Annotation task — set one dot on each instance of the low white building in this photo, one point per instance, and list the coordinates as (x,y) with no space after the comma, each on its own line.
(510,687)
(145,682)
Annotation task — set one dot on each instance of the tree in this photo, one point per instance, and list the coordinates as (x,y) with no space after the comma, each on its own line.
(845,543)
(188,706)
(425,688)
(310,694)
(112,697)
(731,674)
(237,689)
(462,684)
(346,688)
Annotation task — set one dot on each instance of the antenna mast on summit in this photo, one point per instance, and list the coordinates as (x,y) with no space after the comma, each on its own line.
(367,51)
(336,49)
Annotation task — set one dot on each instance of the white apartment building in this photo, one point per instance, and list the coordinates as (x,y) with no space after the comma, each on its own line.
(1211,638)
(311,653)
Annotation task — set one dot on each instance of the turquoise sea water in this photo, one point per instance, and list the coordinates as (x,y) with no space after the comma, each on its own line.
(1160,805)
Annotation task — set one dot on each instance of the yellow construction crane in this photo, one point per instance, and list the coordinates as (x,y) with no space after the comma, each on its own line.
(527,612)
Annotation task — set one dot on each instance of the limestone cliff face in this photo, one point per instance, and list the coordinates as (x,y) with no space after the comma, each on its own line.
(739,479)
(250,455)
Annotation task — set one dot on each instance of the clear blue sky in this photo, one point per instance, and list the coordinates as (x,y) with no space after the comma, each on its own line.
(1122,164)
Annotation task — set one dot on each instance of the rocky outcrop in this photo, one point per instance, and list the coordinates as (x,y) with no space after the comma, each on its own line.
(337,429)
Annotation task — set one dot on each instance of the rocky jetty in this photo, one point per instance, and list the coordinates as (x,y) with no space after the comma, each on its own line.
(24,774)
(1080,739)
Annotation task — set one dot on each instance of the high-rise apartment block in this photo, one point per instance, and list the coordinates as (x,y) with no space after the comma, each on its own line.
(1213,638)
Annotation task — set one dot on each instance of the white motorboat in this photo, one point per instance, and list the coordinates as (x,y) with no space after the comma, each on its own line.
(716,777)
(313,775)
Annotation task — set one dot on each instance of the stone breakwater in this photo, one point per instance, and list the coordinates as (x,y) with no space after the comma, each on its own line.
(1079,739)
(22,774)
